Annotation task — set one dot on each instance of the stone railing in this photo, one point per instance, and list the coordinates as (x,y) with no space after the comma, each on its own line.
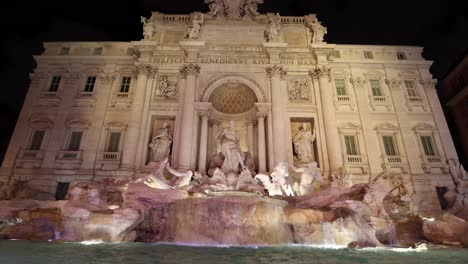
(122,95)
(392,159)
(292,20)
(176,18)
(343,98)
(86,94)
(415,99)
(433,159)
(379,99)
(69,155)
(49,94)
(109,156)
(354,158)
(31,154)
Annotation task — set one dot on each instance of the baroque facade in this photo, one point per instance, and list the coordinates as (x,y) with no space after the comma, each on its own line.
(99,110)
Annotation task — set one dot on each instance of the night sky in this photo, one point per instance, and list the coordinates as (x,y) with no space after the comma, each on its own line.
(441,26)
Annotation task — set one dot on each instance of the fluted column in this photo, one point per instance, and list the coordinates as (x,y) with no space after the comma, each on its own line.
(138,99)
(189,72)
(278,113)
(329,118)
(215,130)
(250,137)
(202,151)
(261,142)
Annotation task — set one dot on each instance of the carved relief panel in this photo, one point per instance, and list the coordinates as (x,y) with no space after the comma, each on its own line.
(299,90)
(167,88)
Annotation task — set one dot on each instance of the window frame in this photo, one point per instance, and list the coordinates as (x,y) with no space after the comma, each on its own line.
(108,140)
(368,54)
(127,85)
(64,51)
(378,81)
(401,55)
(89,84)
(54,85)
(32,137)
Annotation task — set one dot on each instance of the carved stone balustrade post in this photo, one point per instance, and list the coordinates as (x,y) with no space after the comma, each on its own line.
(278,94)
(329,118)
(190,73)
(131,138)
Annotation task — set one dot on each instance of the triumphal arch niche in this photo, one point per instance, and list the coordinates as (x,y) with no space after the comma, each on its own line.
(236,74)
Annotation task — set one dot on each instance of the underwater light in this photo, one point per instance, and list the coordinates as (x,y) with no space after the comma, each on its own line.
(428,219)
(91,242)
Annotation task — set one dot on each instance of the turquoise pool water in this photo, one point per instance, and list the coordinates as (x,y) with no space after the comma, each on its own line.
(20,252)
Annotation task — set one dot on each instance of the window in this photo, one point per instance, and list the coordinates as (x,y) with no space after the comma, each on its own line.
(74,141)
(113,142)
(375,86)
(368,55)
(64,51)
(428,146)
(390,146)
(54,84)
(90,82)
(351,145)
(125,85)
(401,55)
(36,140)
(411,88)
(97,51)
(61,190)
(340,87)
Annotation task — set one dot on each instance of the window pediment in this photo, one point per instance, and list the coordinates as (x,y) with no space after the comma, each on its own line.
(78,123)
(423,126)
(40,122)
(386,126)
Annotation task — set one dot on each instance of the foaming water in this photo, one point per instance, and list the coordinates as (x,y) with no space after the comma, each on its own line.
(135,253)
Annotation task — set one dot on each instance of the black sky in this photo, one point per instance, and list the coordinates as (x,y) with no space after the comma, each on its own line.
(441,26)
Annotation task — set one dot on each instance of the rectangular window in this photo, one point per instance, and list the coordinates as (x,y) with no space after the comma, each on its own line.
(64,51)
(97,51)
(125,85)
(368,55)
(340,87)
(390,146)
(54,84)
(113,142)
(351,145)
(428,145)
(90,82)
(75,141)
(375,86)
(36,140)
(411,88)
(336,54)
(401,55)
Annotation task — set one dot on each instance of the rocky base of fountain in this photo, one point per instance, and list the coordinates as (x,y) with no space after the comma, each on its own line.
(122,212)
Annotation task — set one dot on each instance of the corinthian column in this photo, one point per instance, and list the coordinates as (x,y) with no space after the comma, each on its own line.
(261,142)
(329,119)
(138,99)
(190,73)
(214,131)
(202,151)
(278,95)
(250,137)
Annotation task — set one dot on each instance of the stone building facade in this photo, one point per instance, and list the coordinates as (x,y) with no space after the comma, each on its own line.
(93,108)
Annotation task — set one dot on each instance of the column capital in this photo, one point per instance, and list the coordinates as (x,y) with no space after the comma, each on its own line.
(262,114)
(146,69)
(321,71)
(214,122)
(204,113)
(393,83)
(358,82)
(428,83)
(189,69)
(275,70)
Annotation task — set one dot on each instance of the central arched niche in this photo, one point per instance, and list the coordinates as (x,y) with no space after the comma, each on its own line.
(233,97)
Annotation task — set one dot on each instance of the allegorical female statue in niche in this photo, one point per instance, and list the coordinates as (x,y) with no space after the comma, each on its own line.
(233,156)
(303,144)
(161,144)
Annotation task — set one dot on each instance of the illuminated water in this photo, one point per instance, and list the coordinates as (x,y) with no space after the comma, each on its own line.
(20,252)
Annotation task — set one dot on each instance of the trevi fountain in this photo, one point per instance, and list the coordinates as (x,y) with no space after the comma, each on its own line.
(282,200)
